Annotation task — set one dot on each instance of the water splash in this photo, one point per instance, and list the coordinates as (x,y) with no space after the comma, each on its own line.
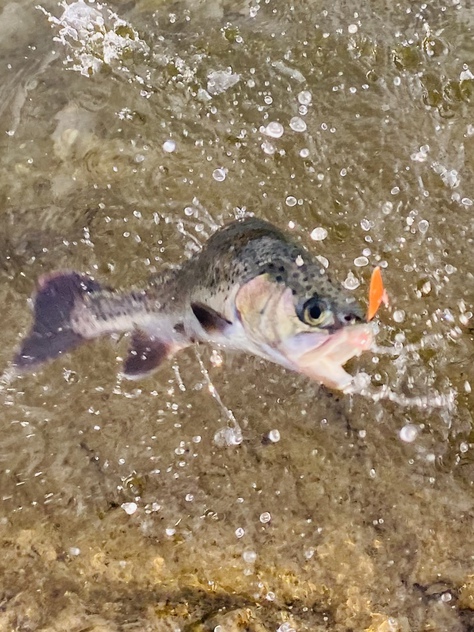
(231,435)
(431,401)
(94,36)
(362,384)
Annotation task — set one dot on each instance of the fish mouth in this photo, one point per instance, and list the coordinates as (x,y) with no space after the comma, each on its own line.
(321,356)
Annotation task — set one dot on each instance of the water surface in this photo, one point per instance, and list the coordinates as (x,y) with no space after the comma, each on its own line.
(123,147)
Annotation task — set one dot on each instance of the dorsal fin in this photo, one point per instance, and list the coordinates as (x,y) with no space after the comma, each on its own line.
(210,320)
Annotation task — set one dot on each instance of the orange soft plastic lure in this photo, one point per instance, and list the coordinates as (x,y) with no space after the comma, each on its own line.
(377,293)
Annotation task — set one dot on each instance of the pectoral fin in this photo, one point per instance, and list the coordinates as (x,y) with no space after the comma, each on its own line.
(145,355)
(210,320)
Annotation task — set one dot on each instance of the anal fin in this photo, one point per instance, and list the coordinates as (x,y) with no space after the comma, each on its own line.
(144,355)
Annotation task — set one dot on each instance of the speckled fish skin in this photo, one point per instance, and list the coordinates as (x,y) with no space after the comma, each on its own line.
(246,290)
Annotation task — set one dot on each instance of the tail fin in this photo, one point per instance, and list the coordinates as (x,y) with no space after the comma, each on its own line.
(52,333)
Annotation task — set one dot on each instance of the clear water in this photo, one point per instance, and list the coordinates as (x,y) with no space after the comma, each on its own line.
(123,146)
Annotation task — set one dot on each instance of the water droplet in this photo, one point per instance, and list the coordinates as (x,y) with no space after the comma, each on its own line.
(189,498)
(351,282)
(319,233)
(228,437)
(239,532)
(395,191)
(169,146)
(352,28)
(399,316)
(219,174)
(74,550)
(265,517)
(299,261)
(305,97)
(309,553)
(323,261)
(268,148)
(249,557)
(129,508)
(291,200)
(409,433)
(274,129)
(196,439)
(365,224)
(361,261)
(423,225)
(170,531)
(464,447)
(216,358)
(297,124)
(304,153)
(274,436)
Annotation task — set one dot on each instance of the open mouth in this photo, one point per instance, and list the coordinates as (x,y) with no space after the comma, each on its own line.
(324,357)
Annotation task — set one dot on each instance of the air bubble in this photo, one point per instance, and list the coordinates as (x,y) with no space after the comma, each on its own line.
(291,200)
(274,129)
(399,315)
(351,282)
(309,553)
(265,517)
(129,508)
(239,532)
(249,557)
(274,436)
(169,146)
(268,148)
(361,261)
(297,124)
(219,174)
(423,225)
(319,233)
(352,28)
(305,97)
(304,153)
(408,433)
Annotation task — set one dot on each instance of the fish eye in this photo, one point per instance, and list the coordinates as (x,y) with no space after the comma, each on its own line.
(315,312)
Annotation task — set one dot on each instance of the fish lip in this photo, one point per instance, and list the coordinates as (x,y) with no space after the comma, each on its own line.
(324,361)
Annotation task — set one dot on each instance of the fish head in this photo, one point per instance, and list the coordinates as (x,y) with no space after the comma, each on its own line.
(304,322)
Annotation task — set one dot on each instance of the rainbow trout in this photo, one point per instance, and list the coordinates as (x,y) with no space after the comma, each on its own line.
(251,288)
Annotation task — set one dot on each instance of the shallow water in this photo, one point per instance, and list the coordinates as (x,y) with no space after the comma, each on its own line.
(122,149)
